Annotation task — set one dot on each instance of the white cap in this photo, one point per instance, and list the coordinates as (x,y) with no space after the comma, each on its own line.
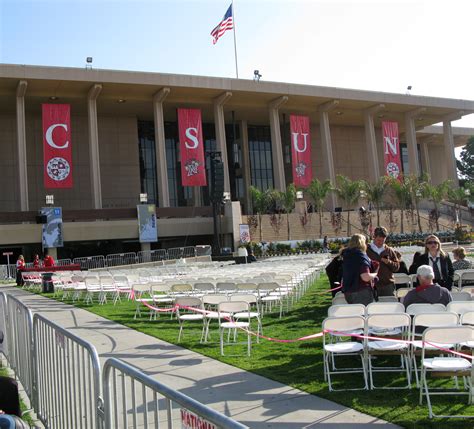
(425,271)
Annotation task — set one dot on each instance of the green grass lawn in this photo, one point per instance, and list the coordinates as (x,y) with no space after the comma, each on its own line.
(301,364)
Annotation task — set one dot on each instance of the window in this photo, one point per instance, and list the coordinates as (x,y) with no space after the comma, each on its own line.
(260,148)
(147,160)
(404,156)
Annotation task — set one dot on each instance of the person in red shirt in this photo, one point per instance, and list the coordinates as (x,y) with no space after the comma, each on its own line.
(20,265)
(36,261)
(48,261)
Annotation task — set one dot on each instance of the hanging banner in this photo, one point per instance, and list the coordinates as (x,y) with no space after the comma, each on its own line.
(244,230)
(191,145)
(147,228)
(301,150)
(57,153)
(52,233)
(391,149)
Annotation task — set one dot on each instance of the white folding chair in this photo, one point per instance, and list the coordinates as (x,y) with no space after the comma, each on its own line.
(460,307)
(210,303)
(254,312)
(269,295)
(446,366)
(402,292)
(384,307)
(335,329)
(398,324)
(465,276)
(345,310)
(402,279)
(141,295)
(461,296)
(231,308)
(339,299)
(92,288)
(414,309)
(191,309)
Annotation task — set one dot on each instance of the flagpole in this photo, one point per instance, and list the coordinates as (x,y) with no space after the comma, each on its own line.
(235,41)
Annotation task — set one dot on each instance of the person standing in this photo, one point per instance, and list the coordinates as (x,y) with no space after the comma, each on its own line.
(48,261)
(357,272)
(20,265)
(437,259)
(387,258)
(36,261)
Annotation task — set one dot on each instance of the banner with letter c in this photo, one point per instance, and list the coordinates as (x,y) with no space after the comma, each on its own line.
(57,152)
(301,150)
(191,147)
(391,149)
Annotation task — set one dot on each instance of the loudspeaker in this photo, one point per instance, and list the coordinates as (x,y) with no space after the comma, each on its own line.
(41,219)
(337,209)
(217,180)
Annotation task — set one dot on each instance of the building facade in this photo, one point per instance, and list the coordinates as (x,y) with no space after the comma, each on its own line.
(125,142)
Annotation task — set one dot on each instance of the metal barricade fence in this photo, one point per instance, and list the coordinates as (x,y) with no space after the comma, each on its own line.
(133,399)
(62,262)
(7,271)
(90,262)
(67,368)
(4,324)
(121,259)
(20,343)
(151,255)
(181,252)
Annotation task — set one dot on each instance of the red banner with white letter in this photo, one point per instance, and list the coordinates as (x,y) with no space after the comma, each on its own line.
(301,150)
(191,145)
(57,152)
(391,149)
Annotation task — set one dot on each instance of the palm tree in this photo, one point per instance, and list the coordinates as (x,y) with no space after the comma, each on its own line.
(436,194)
(401,191)
(348,191)
(376,194)
(459,197)
(319,191)
(286,200)
(261,201)
(418,190)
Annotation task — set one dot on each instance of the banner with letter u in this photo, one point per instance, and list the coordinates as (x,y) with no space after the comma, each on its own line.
(391,149)
(57,152)
(301,150)
(191,145)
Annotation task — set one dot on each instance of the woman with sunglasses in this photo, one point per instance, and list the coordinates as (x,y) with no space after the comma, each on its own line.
(440,261)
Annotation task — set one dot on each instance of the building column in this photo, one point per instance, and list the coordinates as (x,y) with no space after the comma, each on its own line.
(324,110)
(197,196)
(94,145)
(449,152)
(277,149)
(221,142)
(410,135)
(425,157)
(246,167)
(160,148)
(21,145)
(374,171)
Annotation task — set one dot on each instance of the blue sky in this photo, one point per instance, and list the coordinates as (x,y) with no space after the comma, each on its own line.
(373,44)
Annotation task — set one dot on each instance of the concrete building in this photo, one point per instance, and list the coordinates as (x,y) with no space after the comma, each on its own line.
(125,136)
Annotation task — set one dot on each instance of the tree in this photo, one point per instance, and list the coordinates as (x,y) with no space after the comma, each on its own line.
(401,191)
(417,189)
(318,192)
(286,200)
(459,197)
(466,162)
(261,201)
(436,194)
(376,194)
(349,192)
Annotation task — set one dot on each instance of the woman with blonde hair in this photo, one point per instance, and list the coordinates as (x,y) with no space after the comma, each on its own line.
(437,259)
(20,265)
(357,275)
(460,261)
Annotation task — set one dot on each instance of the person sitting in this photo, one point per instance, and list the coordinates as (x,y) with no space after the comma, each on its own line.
(403,269)
(427,291)
(414,263)
(48,261)
(460,261)
(378,251)
(357,272)
(438,260)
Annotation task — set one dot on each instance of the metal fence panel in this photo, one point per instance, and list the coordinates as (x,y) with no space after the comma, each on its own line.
(181,252)
(62,262)
(67,393)
(121,259)
(90,262)
(4,324)
(20,342)
(133,399)
(151,256)
(7,271)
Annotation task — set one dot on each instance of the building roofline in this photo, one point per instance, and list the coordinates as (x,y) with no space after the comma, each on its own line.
(19,71)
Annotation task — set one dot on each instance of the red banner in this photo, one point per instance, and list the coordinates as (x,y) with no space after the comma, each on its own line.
(57,152)
(191,145)
(301,150)
(391,149)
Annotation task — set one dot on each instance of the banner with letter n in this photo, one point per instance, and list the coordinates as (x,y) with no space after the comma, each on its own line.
(301,150)
(191,145)
(147,227)
(391,149)
(57,152)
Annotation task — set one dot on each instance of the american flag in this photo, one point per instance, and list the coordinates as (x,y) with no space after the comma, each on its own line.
(227,23)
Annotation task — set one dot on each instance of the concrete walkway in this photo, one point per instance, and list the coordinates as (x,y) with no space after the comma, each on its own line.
(251,399)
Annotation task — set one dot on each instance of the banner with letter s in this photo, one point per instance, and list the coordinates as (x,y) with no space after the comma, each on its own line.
(301,150)
(57,152)
(191,145)
(391,149)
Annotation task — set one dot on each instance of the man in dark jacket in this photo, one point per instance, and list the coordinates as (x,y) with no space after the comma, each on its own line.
(427,292)
(378,251)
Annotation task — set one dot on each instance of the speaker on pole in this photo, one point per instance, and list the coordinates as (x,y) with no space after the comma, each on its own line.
(217,180)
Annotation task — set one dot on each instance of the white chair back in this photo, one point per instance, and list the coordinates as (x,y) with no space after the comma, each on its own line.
(345,310)
(414,309)
(384,307)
